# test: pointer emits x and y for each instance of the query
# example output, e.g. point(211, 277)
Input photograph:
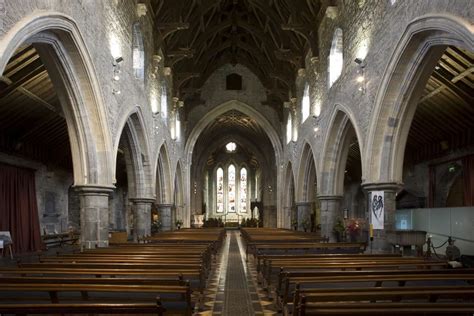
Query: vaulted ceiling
point(270, 37)
point(251, 139)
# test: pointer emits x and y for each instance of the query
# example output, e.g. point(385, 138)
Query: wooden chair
point(6, 241)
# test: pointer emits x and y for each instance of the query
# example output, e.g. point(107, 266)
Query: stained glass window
point(220, 190)
point(231, 185)
point(243, 190)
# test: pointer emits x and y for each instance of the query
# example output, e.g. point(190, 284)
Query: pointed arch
point(179, 198)
point(72, 73)
point(210, 117)
point(415, 55)
point(163, 176)
point(288, 197)
point(337, 139)
point(307, 175)
point(137, 155)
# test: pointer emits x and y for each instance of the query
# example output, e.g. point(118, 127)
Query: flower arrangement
point(179, 223)
point(354, 226)
point(155, 226)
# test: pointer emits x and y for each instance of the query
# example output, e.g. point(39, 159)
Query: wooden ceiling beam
point(168, 28)
point(174, 57)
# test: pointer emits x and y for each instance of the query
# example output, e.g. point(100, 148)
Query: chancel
point(237, 157)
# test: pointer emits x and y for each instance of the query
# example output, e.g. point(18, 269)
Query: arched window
point(335, 57)
point(288, 129)
point(164, 102)
point(154, 103)
point(243, 190)
point(231, 185)
point(177, 126)
point(305, 104)
point(138, 52)
point(220, 190)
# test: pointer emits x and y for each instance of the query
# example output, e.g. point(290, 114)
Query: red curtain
point(468, 173)
point(18, 207)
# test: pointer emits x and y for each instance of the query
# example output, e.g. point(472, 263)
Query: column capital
point(164, 205)
point(304, 203)
point(329, 197)
point(92, 189)
point(144, 200)
point(384, 186)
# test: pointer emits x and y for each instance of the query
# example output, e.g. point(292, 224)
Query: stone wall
point(52, 193)
point(371, 30)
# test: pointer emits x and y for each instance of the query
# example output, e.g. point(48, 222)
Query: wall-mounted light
point(361, 73)
point(116, 68)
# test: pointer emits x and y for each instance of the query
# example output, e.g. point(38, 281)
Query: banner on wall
point(377, 209)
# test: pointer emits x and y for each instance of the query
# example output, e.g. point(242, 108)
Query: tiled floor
point(233, 288)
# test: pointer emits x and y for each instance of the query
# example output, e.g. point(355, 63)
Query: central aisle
point(237, 299)
point(236, 282)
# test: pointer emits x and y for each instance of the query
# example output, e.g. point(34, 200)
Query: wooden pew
point(105, 293)
point(290, 279)
point(83, 308)
point(304, 247)
point(334, 257)
point(354, 265)
point(386, 309)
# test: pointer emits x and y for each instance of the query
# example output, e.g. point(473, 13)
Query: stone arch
point(137, 155)
point(179, 202)
point(306, 172)
point(210, 117)
point(341, 130)
point(163, 176)
point(72, 72)
point(415, 56)
point(288, 214)
point(224, 108)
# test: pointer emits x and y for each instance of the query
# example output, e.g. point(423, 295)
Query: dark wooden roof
point(270, 37)
point(31, 120)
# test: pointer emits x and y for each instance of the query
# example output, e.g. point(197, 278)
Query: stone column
point(269, 216)
point(390, 189)
point(94, 213)
point(330, 210)
point(141, 217)
point(165, 212)
point(303, 211)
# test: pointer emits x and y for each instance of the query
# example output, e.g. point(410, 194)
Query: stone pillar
point(141, 217)
point(330, 210)
point(94, 213)
point(380, 242)
point(303, 211)
point(269, 216)
point(166, 218)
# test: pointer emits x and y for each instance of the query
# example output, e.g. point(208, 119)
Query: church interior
point(237, 157)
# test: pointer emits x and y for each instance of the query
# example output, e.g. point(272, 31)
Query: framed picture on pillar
point(376, 206)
